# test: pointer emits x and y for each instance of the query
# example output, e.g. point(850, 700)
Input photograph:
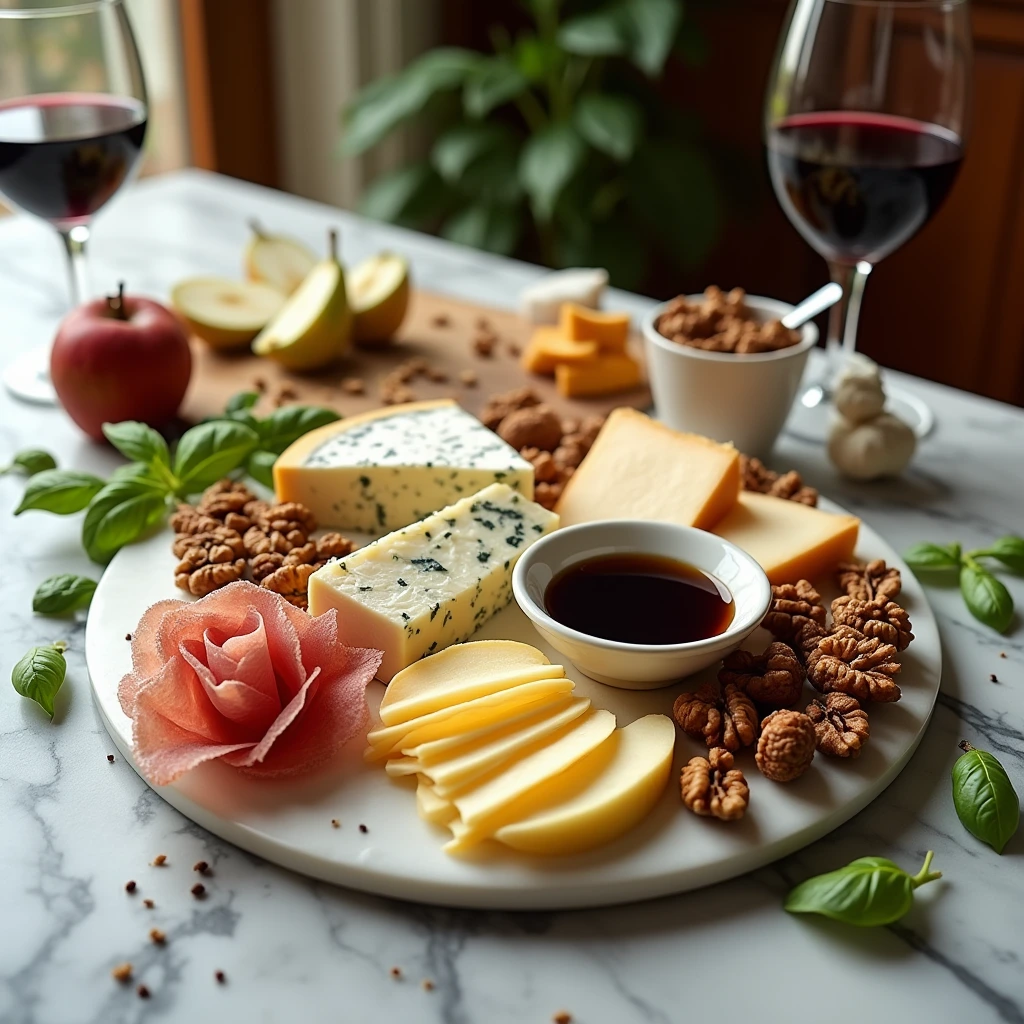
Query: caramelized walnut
point(786, 747)
point(188, 520)
point(547, 495)
point(774, 677)
point(499, 406)
point(847, 661)
point(721, 716)
point(866, 582)
point(878, 617)
point(261, 566)
point(292, 583)
point(756, 476)
point(219, 545)
point(227, 498)
point(711, 786)
point(545, 470)
point(792, 605)
point(535, 427)
point(840, 724)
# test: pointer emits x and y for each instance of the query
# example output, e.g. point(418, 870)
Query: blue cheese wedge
point(390, 467)
point(432, 584)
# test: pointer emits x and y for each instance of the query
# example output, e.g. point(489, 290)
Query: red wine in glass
point(859, 185)
point(63, 155)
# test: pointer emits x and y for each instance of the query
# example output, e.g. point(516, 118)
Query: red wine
point(63, 155)
point(857, 186)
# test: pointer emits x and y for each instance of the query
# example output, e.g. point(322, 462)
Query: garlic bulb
point(882, 446)
point(859, 395)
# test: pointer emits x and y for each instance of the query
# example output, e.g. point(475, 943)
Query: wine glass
point(866, 120)
point(73, 117)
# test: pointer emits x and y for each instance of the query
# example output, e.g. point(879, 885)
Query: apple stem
point(332, 243)
point(256, 228)
point(116, 302)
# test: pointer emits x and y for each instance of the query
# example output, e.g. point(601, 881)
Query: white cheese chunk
point(432, 584)
point(390, 467)
point(541, 302)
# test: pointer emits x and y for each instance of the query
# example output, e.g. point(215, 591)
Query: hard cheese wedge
point(641, 469)
point(609, 330)
point(461, 673)
point(599, 798)
point(421, 589)
point(790, 541)
point(387, 468)
point(616, 371)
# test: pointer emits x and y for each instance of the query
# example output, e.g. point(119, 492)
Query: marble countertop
point(75, 828)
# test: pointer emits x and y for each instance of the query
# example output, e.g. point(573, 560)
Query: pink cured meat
point(243, 676)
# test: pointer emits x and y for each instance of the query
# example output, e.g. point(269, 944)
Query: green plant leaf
point(60, 491)
point(652, 26)
point(548, 161)
point(120, 513)
point(606, 32)
point(614, 244)
point(984, 798)
point(410, 196)
point(261, 467)
point(537, 58)
point(1009, 551)
point(987, 599)
point(63, 593)
point(933, 557)
point(493, 228)
point(611, 124)
point(289, 423)
point(459, 147)
point(494, 81)
point(242, 401)
point(138, 442)
point(40, 674)
point(868, 892)
point(30, 461)
point(386, 103)
point(210, 451)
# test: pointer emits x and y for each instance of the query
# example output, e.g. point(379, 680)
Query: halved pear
point(226, 314)
point(281, 262)
point(378, 291)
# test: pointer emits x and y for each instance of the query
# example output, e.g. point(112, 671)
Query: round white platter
point(289, 821)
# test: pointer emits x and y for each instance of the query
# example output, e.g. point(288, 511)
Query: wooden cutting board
point(438, 330)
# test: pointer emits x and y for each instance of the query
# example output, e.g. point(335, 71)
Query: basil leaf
point(30, 462)
point(987, 599)
point(242, 401)
point(260, 467)
point(61, 491)
point(62, 593)
point(120, 513)
point(138, 442)
point(868, 892)
point(984, 798)
point(933, 556)
point(289, 423)
point(1009, 551)
point(210, 451)
point(39, 675)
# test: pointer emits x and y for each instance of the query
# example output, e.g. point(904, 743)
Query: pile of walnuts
point(851, 662)
point(231, 534)
point(554, 445)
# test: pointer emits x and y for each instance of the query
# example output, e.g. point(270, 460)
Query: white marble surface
point(75, 828)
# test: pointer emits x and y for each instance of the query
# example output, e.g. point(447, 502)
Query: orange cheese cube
point(604, 375)
point(548, 347)
point(609, 330)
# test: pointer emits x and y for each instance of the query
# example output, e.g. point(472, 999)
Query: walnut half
point(712, 787)
point(774, 677)
point(878, 617)
point(721, 716)
point(840, 724)
point(793, 604)
point(786, 747)
point(847, 661)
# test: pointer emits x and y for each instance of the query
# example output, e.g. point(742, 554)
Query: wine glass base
point(813, 413)
point(28, 377)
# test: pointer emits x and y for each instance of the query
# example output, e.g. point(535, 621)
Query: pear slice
point(225, 314)
point(281, 262)
point(378, 291)
point(314, 327)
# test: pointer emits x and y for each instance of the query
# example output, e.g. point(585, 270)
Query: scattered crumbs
point(514, 350)
point(335, 823)
point(110, 758)
point(198, 890)
point(160, 860)
point(129, 886)
point(437, 376)
point(363, 829)
point(142, 992)
point(202, 867)
point(259, 384)
point(122, 973)
point(993, 677)
point(1002, 654)
point(353, 386)
point(287, 393)
point(221, 977)
point(148, 904)
point(157, 936)
point(428, 985)
point(483, 324)
point(483, 344)
point(128, 636)
point(441, 320)
point(396, 972)
point(562, 1017)
point(468, 377)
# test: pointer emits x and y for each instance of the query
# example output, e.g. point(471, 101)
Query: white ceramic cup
point(744, 399)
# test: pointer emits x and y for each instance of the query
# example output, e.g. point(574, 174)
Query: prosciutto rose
point(242, 676)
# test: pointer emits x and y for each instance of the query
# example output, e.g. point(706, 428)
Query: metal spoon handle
point(815, 303)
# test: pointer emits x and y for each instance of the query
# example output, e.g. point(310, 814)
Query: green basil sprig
point(985, 595)
point(132, 502)
point(983, 795)
point(210, 451)
point(868, 892)
point(40, 674)
point(63, 593)
point(60, 491)
point(29, 462)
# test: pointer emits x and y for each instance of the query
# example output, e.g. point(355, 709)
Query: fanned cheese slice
point(461, 673)
point(432, 807)
point(398, 767)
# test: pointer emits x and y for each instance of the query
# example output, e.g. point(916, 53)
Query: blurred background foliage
point(557, 146)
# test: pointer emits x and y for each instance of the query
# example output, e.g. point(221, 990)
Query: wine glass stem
point(75, 240)
point(844, 315)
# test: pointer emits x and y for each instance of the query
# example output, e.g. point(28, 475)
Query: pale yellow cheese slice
point(483, 803)
point(461, 673)
point(491, 707)
point(789, 540)
point(397, 767)
point(431, 807)
point(599, 798)
point(641, 469)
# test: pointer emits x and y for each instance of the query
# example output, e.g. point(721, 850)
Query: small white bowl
point(744, 399)
point(640, 666)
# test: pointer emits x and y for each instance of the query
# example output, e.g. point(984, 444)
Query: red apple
point(120, 358)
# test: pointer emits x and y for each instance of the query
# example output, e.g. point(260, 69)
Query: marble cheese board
point(289, 822)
